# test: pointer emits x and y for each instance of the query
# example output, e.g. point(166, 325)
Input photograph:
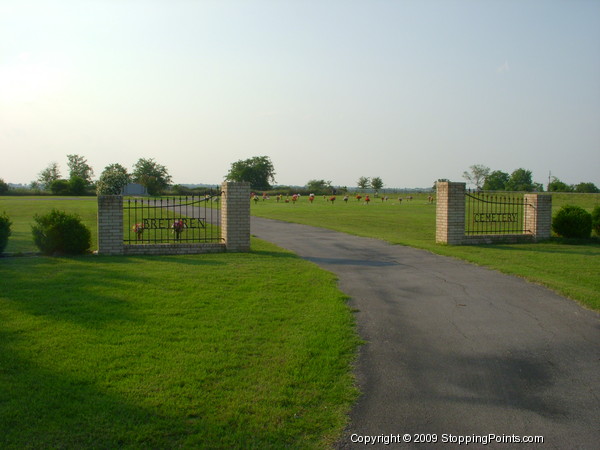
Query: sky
point(408, 91)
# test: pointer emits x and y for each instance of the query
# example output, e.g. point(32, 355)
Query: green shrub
point(596, 220)
point(4, 231)
point(61, 233)
point(77, 186)
point(60, 187)
point(572, 222)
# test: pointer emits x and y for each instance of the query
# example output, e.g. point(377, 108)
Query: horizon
point(410, 92)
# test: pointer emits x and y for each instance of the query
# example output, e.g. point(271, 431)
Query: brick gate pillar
point(450, 213)
point(110, 225)
point(235, 216)
point(538, 215)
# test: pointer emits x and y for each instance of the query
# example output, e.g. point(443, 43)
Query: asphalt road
point(455, 350)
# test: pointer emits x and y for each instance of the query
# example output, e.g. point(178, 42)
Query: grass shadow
point(81, 290)
point(43, 408)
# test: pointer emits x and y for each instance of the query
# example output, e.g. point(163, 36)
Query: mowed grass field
point(247, 350)
point(568, 267)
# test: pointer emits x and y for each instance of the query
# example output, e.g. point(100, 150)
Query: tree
point(558, 186)
point(590, 188)
point(319, 186)
point(3, 187)
point(35, 186)
point(520, 180)
point(60, 187)
point(376, 183)
point(48, 175)
point(364, 182)
point(152, 175)
point(477, 175)
point(258, 171)
point(78, 167)
point(113, 179)
point(496, 181)
point(77, 186)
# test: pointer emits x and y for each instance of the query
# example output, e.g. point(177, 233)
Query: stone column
point(450, 213)
point(235, 216)
point(110, 225)
point(538, 215)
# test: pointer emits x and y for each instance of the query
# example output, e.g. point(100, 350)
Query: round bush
point(572, 222)
point(77, 186)
point(59, 233)
point(4, 231)
point(596, 220)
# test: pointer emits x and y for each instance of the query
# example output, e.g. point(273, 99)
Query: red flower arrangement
point(178, 227)
point(138, 229)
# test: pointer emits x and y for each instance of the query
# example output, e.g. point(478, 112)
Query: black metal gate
point(188, 219)
point(495, 213)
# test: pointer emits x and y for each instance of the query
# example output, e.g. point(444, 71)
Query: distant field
point(570, 268)
point(587, 201)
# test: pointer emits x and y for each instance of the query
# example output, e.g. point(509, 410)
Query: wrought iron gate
point(495, 213)
point(186, 219)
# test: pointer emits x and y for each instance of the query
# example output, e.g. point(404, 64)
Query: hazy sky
point(410, 91)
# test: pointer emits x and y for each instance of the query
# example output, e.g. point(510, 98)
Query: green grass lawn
point(248, 350)
point(569, 267)
point(226, 350)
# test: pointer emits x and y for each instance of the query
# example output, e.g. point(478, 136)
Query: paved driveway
point(456, 350)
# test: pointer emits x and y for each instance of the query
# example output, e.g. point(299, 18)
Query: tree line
point(260, 173)
point(155, 177)
point(146, 171)
point(519, 180)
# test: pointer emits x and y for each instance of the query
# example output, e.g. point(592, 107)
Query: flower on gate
point(178, 227)
point(138, 229)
